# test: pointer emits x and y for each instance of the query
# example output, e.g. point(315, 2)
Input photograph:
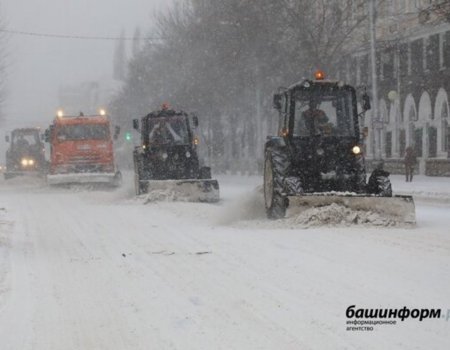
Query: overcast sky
point(39, 66)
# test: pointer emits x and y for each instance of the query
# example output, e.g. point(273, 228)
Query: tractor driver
point(163, 132)
point(315, 120)
point(158, 134)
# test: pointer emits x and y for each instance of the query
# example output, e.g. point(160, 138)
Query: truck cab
point(81, 149)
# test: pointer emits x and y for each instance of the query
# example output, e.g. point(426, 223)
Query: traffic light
point(128, 136)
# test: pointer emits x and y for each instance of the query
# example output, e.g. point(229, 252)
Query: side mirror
point(116, 132)
point(136, 124)
point(195, 121)
point(7, 138)
point(277, 101)
point(366, 102)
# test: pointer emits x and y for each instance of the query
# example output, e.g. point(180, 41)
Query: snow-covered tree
point(120, 59)
point(224, 60)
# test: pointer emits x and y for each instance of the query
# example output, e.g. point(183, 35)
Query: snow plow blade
point(399, 208)
point(112, 179)
point(191, 190)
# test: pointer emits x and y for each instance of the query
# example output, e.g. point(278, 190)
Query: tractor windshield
point(77, 132)
point(324, 112)
point(168, 130)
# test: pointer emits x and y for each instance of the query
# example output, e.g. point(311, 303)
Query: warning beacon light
point(319, 75)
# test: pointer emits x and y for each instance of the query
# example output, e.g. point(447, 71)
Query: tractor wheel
point(205, 173)
point(384, 186)
point(275, 166)
point(380, 184)
point(138, 186)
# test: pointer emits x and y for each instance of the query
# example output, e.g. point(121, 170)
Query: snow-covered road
point(100, 270)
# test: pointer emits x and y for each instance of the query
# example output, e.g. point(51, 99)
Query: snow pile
point(338, 215)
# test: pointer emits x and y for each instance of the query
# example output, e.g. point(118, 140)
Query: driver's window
point(315, 116)
point(329, 107)
point(300, 128)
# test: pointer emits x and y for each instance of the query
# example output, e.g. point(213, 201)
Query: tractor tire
point(139, 188)
point(137, 185)
point(384, 186)
point(205, 173)
point(275, 170)
point(380, 184)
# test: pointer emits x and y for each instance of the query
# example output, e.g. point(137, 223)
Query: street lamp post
point(376, 140)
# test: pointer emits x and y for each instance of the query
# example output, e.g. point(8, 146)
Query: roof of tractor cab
point(31, 129)
point(84, 119)
point(306, 84)
point(165, 113)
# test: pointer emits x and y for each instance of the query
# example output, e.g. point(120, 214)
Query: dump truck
point(166, 163)
point(26, 153)
point(317, 157)
point(81, 150)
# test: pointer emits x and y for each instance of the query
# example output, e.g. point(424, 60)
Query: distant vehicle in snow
point(167, 158)
point(81, 150)
point(26, 153)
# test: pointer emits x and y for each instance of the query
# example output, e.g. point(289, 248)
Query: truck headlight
point(24, 162)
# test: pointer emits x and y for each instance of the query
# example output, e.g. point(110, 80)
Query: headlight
point(356, 150)
point(27, 162)
point(188, 154)
point(320, 151)
point(164, 155)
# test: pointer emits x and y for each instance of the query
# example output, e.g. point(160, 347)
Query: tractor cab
point(317, 159)
point(319, 121)
point(167, 159)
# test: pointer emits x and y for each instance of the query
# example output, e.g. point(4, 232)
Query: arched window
point(412, 116)
point(445, 127)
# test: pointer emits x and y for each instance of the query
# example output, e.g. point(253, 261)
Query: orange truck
point(81, 150)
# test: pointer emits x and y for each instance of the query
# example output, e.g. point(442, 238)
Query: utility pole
point(376, 140)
